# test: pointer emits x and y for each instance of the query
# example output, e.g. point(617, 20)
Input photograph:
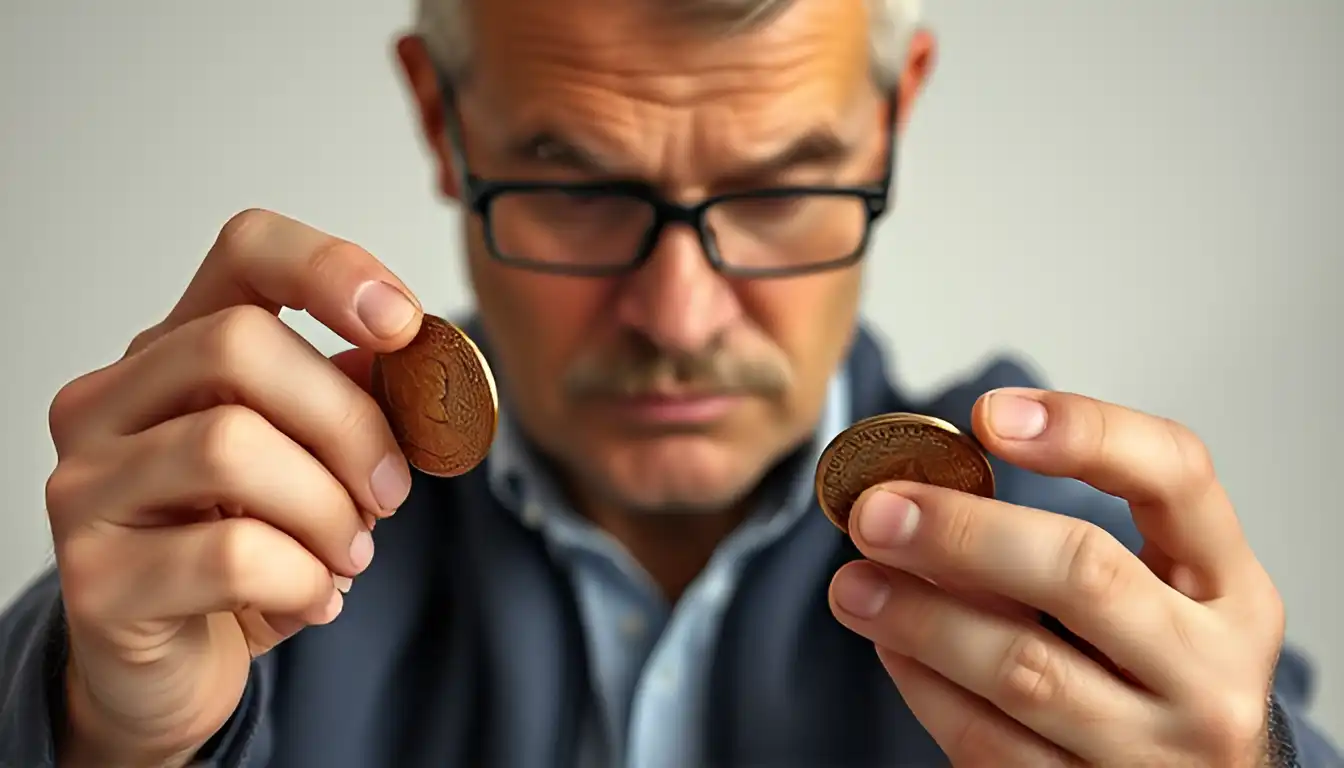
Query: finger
point(991, 603)
point(357, 365)
point(1065, 567)
point(246, 356)
point(1027, 673)
point(1160, 467)
point(270, 261)
point(195, 570)
point(970, 731)
point(230, 458)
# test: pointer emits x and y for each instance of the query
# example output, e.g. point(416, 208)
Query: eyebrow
point(819, 146)
point(552, 149)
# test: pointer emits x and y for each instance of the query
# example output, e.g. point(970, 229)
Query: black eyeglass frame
point(479, 194)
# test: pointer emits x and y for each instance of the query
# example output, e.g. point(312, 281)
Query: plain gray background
point(1145, 197)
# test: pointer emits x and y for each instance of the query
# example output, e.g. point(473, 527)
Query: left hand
point(1185, 635)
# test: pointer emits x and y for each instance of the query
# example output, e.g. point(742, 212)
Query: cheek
point(537, 324)
point(810, 318)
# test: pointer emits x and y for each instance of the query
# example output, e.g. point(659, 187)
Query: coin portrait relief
point(898, 446)
point(439, 395)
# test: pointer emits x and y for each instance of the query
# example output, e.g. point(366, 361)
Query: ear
point(919, 63)
point(422, 82)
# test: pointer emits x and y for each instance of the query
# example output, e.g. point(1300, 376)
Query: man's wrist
point(81, 743)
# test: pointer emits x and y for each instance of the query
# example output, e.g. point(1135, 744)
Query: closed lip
point(673, 408)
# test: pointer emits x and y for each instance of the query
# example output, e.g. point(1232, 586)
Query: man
point(667, 204)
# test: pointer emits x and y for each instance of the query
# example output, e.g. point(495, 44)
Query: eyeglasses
point(604, 228)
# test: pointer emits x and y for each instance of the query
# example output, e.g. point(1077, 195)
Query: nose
point(676, 299)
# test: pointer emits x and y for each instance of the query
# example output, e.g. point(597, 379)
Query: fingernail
point(384, 309)
point(887, 520)
point(1014, 417)
point(861, 591)
point(391, 483)
point(361, 551)
point(343, 583)
point(333, 608)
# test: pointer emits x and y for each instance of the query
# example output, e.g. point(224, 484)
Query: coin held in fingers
point(898, 446)
point(438, 394)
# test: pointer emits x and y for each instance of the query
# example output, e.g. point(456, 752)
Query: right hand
point(216, 486)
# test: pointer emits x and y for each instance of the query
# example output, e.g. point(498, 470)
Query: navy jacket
point(461, 645)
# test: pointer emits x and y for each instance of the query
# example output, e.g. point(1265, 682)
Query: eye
point(551, 151)
point(548, 151)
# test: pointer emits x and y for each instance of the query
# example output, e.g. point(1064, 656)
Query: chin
point(676, 473)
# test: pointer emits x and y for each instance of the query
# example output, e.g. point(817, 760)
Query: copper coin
point(898, 446)
point(439, 397)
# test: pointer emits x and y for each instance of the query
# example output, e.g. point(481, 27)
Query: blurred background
point(1145, 199)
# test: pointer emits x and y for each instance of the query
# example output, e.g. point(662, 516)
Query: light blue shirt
point(649, 660)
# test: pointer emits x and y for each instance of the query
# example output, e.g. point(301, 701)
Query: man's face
point(673, 387)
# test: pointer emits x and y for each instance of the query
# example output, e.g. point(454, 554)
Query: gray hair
point(443, 26)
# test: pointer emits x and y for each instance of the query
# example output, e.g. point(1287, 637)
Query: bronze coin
point(898, 446)
point(439, 397)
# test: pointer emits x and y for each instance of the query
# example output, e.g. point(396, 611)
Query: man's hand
point(216, 487)
point(1184, 636)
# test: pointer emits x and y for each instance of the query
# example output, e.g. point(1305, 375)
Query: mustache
point(640, 368)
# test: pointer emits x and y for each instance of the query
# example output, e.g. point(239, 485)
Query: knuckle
point(235, 570)
point(335, 257)
point(226, 434)
point(980, 741)
point(1193, 456)
point(1085, 434)
point(1094, 564)
point(360, 420)
point(61, 414)
point(229, 565)
point(1032, 674)
point(921, 623)
point(142, 340)
point(64, 488)
point(233, 335)
point(84, 579)
point(242, 230)
point(236, 327)
point(1230, 725)
point(1272, 611)
point(957, 536)
point(71, 408)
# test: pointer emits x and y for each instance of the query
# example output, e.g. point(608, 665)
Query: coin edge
point(897, 416)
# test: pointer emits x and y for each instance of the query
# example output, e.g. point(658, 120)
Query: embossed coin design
point(898, 446)
point(439, 396)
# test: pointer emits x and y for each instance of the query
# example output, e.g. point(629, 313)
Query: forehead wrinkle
point(630, 135)
point(688, 85)
point(678, 64)
point(626, 92)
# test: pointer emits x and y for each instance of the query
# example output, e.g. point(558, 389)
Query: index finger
point(268, 260)
point(1160, 467)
